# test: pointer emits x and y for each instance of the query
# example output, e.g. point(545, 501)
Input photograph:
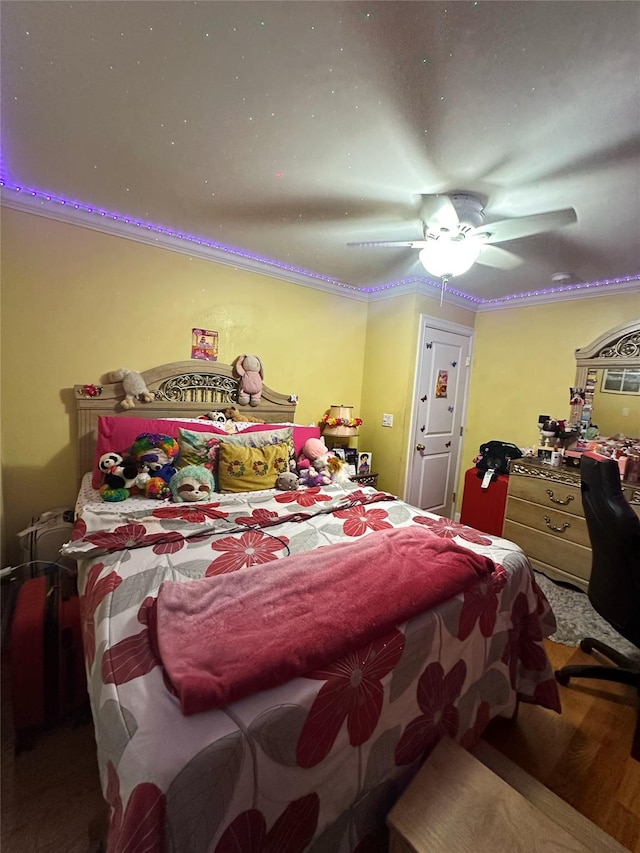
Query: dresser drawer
point(559, 525)
point(547, 494)
point(567, 556)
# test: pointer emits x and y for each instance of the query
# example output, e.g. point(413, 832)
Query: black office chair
point(614, 585)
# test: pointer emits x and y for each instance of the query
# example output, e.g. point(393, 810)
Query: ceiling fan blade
point(525, 226)
point(494, 256)
point(438, 211)
point(413, 244)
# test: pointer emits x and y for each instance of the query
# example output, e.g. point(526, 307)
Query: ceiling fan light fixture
point(445, 258)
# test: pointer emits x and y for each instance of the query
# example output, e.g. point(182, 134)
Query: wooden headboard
point(182, 389)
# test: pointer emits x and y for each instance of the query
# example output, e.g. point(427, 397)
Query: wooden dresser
point(544, 516)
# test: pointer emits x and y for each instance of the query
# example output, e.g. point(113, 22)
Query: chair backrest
point(614, 531)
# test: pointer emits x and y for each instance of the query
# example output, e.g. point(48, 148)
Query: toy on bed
point(157, 453)
point(318, 466)
point(312, 477)
point(235, 415)
point(249, 369)
point(288, 481)
point(192, 483)
point(122, 477)
point(134, 387)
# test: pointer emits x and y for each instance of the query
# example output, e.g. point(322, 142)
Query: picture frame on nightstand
point(364, 462)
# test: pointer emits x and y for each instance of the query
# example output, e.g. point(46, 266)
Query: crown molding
point(41, 204)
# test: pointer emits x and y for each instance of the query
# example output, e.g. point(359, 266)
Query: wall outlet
point(387, 420)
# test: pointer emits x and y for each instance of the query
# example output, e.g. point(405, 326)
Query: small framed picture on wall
point(364, 462)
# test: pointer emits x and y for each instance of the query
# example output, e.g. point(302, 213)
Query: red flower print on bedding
point(258, 518)
point(126, 536)
point(524, 640)
point(546, 694)
point(196, 513)
point(359, 519)
point(471, 738)
point(95, 590)
point(141, 828)
point(448, 529)
point(353, 690)
point(291, 832)
point(250, 549)
point(436, 695)
point(303, 497)
point(79, 529)
point(481, 604)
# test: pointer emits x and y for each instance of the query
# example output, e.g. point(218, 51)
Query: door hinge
point(429, 345)
point(461, 430)
point(467, 361)
point(453, 498)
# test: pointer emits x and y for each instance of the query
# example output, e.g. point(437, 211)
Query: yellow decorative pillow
point(249, 469)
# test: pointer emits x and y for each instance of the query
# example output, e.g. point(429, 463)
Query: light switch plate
point(387, 420)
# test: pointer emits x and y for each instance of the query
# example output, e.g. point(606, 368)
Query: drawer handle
point(562, 529)
point(557, 500)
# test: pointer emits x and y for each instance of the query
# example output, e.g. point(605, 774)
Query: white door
point(440, 396)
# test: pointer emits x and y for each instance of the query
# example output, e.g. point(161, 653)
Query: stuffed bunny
point(249, 369)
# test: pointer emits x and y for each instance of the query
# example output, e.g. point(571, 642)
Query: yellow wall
point(524, 364)
point(77, 303)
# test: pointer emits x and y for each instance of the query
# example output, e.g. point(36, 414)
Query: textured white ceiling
point(288, 129)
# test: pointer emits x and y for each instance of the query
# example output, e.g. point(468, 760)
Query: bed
point(288, 759)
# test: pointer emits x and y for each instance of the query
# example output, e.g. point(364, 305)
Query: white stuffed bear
point(134, 387)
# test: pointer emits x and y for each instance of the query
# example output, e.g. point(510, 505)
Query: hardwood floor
point(582, 755)
point(51, 801)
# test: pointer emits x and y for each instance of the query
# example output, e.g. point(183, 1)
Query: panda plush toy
point(121, 477)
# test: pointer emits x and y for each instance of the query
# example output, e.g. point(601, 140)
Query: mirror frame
point(619, 347)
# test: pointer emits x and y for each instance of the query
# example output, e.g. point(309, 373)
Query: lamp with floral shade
point(339, 424)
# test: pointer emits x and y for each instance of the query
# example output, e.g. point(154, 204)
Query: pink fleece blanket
point(225, 637)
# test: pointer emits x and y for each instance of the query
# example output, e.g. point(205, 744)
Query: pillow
point(263, 437)
point(199, 448)
point(300, 433)
point(249, 469)
point(119, 433)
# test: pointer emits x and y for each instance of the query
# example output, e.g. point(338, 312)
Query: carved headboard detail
point(182, 389)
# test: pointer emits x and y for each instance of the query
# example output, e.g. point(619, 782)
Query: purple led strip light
point(211, 244)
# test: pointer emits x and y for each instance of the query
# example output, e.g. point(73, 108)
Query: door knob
point(420, 447)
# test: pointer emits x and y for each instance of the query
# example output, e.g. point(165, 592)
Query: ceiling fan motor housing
point(469, 208)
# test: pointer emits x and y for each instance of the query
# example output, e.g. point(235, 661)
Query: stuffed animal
point(192, 483)
point(314, 452)
point(249, 369)
point(122, 477)
point(157, 453)
point(134, 387)
point(219, 418)
point(287, 482)
point(311, 477)
point(235, 415)
point(338, 469)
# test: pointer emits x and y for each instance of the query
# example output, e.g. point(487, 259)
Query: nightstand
point(366, 480)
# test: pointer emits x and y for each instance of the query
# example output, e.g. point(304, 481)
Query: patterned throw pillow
point(250, 469)
point(199, 448)
point(262, 438)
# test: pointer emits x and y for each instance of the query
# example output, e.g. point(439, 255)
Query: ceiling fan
point(455, 235)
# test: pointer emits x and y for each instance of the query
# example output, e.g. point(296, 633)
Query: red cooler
point(484, 508)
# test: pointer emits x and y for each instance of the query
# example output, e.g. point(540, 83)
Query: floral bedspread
point(316, 763)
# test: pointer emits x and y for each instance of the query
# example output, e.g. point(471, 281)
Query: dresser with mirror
point(544, 512)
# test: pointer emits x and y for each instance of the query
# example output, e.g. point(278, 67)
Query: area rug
point(576, 618)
